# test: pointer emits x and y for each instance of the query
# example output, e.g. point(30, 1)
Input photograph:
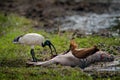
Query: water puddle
point(90, 22)
point(115, 66)
point(109, 69)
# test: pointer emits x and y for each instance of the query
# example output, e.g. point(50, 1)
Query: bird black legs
point(33, 55)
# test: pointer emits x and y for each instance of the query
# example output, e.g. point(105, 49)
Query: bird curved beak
point(50, 45)
point(54, 48)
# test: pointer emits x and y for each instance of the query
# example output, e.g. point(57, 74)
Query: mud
point(46, 11)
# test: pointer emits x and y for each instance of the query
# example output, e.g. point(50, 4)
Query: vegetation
point(13, 57)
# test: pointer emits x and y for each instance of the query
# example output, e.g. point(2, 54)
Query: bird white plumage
point(31, 39)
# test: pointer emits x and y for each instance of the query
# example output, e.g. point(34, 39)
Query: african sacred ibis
point(33, 39)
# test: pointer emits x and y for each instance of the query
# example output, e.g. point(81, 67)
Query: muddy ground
point(45, 11)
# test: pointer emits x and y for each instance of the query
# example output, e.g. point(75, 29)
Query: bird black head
point(16, 40)
point(50, 45)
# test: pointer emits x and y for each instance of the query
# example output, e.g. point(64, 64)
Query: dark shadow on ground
point(13, 63)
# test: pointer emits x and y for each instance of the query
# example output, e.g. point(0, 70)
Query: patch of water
point(110, 69)
point(90, 22)
point(110, 66)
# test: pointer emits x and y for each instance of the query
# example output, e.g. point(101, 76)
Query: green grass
point(13, 57)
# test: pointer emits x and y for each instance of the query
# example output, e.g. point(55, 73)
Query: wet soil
point(45, 11)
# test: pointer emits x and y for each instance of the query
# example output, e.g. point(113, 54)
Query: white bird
point(33, 39)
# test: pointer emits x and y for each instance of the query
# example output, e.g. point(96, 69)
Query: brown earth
point(46, 11)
